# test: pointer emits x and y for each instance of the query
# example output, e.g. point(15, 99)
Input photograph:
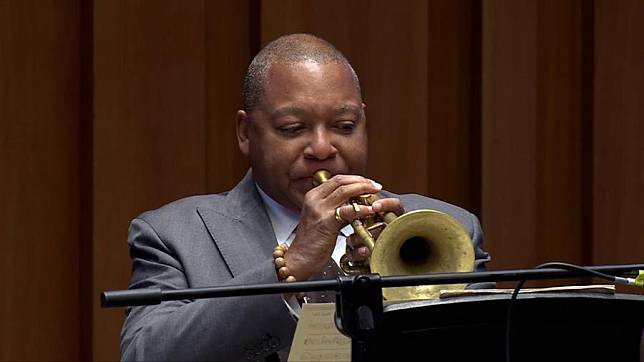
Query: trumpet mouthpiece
point(320, 177)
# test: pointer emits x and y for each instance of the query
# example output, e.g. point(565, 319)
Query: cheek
point(358, 163)
point(301, 186)
point(277, 156)
point(356, 155)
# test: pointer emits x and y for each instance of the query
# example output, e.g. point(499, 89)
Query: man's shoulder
point(412, 202)
point(183, 207)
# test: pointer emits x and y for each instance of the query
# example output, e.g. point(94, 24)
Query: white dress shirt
point(284, 222)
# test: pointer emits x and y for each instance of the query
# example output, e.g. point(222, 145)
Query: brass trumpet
point(417, 242)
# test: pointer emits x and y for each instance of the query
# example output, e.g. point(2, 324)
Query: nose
point(320, 146)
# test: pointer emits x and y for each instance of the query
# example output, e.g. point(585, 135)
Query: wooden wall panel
point(453, 102)
point(387, 45)
point(618, 156)
point(149, 130)
point(39, 133)
point(228, 56)
point(533, 163)
point(560, 133)
point(550, 132)
point(509, 125)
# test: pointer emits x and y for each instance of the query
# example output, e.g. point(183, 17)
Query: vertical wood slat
point(39, 133)
point(618, 157)
point(453, 102)
point(149, 130)
point(560, 133)
point(387, 45)
point(228, 56)
point(533, 163)
point(86, 179)
point(509, 123)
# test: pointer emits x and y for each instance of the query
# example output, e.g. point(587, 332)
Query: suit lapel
point(240, 227)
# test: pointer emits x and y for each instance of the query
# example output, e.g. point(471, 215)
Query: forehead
point(310, 83)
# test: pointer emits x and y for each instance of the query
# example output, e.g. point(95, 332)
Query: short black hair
point(288, 49)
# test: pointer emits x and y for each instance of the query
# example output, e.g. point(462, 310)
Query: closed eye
point(291, 129)
point(345, 126)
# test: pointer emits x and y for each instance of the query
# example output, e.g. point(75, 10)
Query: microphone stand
point(359, 308)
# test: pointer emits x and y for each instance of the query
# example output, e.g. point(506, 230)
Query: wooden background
point(529, 113)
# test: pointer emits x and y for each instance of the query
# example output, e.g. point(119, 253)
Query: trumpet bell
point(422, 242)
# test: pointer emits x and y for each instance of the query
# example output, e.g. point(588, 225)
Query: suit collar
point(243, 200)
point(284, 220)
point(240, 227)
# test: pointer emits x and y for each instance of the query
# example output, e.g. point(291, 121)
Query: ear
point(242, 131)
point(364, 108)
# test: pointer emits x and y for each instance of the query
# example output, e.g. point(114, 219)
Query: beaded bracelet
point(283, 274)
point(280, 263)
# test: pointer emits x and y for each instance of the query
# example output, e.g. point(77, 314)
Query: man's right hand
point(318, 229)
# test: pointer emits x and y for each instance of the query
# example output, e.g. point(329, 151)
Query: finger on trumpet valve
point(356, 207)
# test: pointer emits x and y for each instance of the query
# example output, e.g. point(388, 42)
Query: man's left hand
point(358, 251)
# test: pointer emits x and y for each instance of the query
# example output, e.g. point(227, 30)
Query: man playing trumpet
point(303, 111)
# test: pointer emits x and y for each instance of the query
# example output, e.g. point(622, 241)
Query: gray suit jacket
point(224, 239)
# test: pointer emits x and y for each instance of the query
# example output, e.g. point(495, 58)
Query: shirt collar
point(285, 220)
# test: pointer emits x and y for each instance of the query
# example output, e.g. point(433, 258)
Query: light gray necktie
point(330, 271)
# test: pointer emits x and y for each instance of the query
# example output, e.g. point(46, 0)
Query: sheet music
point(316, 336)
